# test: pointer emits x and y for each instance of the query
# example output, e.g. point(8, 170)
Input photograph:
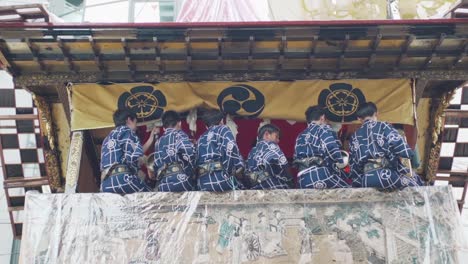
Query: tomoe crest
point(241, 100)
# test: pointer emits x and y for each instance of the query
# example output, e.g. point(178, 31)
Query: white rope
point(232, 125)
point(192, 120)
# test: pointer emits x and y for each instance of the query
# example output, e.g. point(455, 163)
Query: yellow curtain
point(94, 104)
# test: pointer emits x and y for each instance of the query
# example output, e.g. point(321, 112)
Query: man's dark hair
point(212, 117)
point(270, 128)
point(366, 110)
point(121, 115)
point(314, 113)
point(170, 119)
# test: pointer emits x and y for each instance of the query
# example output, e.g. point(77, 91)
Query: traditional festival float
point(261, 72)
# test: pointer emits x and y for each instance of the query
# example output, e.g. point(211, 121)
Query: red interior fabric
point(247, 133)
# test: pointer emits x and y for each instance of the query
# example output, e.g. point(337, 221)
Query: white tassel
point(264, 122)
point(232, 125)
point(192, 120)
point(336, 126)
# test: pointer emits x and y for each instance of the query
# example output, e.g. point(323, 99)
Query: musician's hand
point(155, 131)
point(142, 160)
point(150, 141)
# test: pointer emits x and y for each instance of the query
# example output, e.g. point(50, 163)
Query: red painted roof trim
point(258, 24)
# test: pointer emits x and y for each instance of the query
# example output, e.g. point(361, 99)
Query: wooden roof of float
point(151, 52)
point(43, 56)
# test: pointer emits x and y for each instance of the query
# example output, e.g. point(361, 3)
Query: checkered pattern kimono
point(267, 156)
point(218, 144)
point(122, 146)
point(320, 141)
point(376, 140)
point(175, 147)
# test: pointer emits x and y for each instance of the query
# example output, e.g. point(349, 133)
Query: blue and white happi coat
point(320, 141)
point(218, 144)
point(175, 147)
point(267, 156)
point(123, 147)
point(375, 140)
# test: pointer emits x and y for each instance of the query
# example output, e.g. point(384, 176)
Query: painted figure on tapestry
point(306, 242)
point(267, 236)
point(226, 233)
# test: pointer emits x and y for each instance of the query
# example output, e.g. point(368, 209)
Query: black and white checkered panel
point(21, 142)
point(454, 149)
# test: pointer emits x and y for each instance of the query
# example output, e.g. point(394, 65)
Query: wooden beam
point(188, 50)
point(128, 60)
point(66, 55)
point(35, 52)
point(404, 51)
point(419, 89)
point(455, 178)
point(456, 113)
point(251, 51)
point(46, 17)
point(435, 47)
point(344, 47)
point(4, 54)
point(282, 48)
point(18, 117)
point(220, 54)
point(63, 97)
point(97, 56)
point(373, 56)
point(461, 57)
point(157, 51)
point(24, 12)
point(313, 48)
point(452, 172)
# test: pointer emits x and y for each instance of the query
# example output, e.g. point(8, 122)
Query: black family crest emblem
point(341, 101)
point(146, 102)
point(241, 100)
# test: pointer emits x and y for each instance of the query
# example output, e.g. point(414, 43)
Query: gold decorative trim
point(45, 118)
point(438, 116)
point(51, 153)
point(74, 162)
point(40, 80)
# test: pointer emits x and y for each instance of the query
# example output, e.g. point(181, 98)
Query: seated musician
point(220, 164)
point(121, 155)
point(318, 154)
point(174, 157)
point(376, 152)
point(267, 166)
